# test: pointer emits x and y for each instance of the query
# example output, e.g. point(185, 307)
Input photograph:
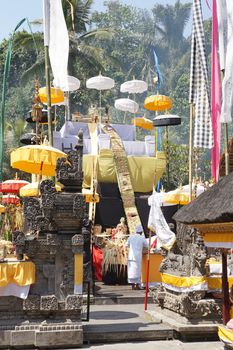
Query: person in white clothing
point(135, 243)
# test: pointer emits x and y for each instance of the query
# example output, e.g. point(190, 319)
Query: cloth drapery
point(158, 224)
point(215, 96)
point(57, 39)
point(199, 92)
point(225, 17)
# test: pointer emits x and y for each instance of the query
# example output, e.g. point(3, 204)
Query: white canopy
point(134, 86)
point(126, 105)
point(73, 84)
point(100, 83)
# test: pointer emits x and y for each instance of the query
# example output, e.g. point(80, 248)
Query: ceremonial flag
point(215, 96)
point(225, 16)
point(158, 224)
point(199, 85)
point(57, 39)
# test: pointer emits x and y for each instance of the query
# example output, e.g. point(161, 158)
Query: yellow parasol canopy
point(143, 123)
point(158, 103)
point(36, 159)
point(32, 190)
point(57, 95)
point(181, 195)
point(2, 209)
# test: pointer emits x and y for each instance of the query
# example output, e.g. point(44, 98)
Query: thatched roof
point(213, 206)
point(222, 161)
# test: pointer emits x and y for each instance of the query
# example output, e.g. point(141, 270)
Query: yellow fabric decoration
point(216, 282)
point(225, 334)
point(78, 269)
point(182, 282)
point(144, 171)
point(154, 274)
point(20, 273)
point(218, 237)
point(143, 123)
point(32, 190)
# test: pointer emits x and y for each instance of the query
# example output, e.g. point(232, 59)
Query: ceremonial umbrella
point(10, 199)
point(100, 83)
point(36, 159)
point(166, 120)
point(32, 190)
point(73, 84)
point(57, 95)
point(143, 123)
point(12, 186)
point(158, 103)
point(181, 194)
point(126, 105)
point(134, 86)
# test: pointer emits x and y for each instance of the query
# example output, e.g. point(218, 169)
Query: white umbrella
point(73, 84)
point(100, 83)
point(126, 105)
point(134, 86)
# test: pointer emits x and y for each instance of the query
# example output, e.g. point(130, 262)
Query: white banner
point(56, 37)
point(158, 224)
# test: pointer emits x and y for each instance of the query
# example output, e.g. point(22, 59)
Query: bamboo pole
point(48, 90)
point(191, 116)
point(226, 149)
point(147, 274)
point(225, 289)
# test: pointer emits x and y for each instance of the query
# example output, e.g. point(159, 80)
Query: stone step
point(125, 332)
point(110, 300)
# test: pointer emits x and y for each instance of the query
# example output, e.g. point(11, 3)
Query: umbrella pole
point(225, 289)
point(147, 274)
point(48, 89)
point(167, 154)
point(190, 149)
point(226, 149)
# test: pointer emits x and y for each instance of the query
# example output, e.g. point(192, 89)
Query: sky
point(12, 11)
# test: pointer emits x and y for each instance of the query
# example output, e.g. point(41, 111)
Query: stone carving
point(79, 206)
point(18, 239)
point(31, 303)
point(48, 303)
point(77, 244)
point(57, 228)
point(32, 213)
point(191, 305)
point(69, 170)
point(73, 302)
point(186, 258)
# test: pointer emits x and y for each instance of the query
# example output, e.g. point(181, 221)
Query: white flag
point(225, 26)
point(57, 39)
point(158, 224)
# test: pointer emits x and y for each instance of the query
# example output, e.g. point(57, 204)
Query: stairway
point(123, 178)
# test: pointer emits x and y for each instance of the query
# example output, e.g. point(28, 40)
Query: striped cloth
point(199, 85)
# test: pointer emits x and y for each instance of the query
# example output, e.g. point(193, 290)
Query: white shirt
point(136, 243)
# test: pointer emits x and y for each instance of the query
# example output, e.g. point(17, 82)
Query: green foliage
point(119, 42)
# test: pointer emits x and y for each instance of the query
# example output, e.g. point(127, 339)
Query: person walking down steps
point(135, 243)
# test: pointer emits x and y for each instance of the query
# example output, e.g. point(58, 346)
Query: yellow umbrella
point(158, 103)
point(57, 95)
point(181, 195)
point(2, 209)
point(143, 123)
point(36, 159)
point(32, 190)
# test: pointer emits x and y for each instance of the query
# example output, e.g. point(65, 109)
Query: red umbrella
point(10, 199)
point(12, 186)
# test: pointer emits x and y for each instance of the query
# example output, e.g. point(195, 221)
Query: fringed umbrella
point(12, 186)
